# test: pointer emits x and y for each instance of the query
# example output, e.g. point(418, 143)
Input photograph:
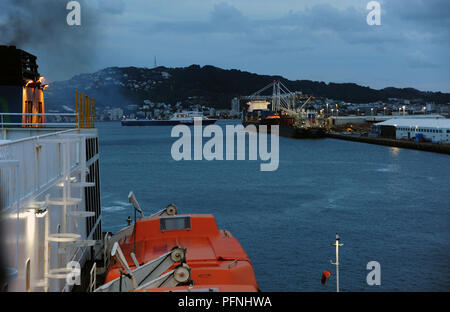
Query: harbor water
point(388, 204)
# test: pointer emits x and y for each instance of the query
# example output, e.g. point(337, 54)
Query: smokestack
point(17, 66)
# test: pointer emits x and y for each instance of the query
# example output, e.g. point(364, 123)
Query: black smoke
point(40, 27)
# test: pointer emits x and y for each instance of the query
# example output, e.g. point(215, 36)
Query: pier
point(423, 146)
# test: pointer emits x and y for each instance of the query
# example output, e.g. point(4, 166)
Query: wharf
point(429, 147)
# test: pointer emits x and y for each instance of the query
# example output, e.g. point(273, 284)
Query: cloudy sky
point(323, 40)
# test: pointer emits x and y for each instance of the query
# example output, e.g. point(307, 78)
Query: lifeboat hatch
point(175, 223)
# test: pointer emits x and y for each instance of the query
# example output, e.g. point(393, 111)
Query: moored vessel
point(290, 111)
point(179, 118)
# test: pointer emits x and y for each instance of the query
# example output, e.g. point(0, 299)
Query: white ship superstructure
point(50, 205)
point(50, 216)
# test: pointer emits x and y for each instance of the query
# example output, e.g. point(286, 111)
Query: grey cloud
point(318, 22)
point(40, 27)
point(223, 18)
point(317, 27)
point(435, 12)
point(417, 59)
point(429, 19)
point(115, 7)
point(228, 35)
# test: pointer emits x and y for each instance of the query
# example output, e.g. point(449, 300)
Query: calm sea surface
point(389, 205)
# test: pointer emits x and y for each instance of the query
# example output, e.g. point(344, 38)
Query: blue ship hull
point(144, 122)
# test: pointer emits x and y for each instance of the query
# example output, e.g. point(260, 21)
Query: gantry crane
point(293, 104)
point(282, 99)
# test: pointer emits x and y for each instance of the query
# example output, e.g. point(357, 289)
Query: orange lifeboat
point(177, 253)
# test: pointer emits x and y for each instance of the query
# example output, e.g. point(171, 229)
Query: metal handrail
point(36, 124)
point(84, 115)
point(39, 114)
point(39, 124)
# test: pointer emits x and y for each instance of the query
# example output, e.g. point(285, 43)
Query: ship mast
point(337, 245)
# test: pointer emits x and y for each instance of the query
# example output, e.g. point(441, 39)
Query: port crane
point(282, 99)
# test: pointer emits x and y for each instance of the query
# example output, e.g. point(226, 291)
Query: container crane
point(281, 99)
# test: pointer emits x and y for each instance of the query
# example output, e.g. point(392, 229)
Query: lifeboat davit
point(169, 252)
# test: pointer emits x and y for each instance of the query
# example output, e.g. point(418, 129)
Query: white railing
point(40, 161)
point(9, 186)
point(65, 124)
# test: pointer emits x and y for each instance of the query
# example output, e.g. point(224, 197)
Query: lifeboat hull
point(216, 259)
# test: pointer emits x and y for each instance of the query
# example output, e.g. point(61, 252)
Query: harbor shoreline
point(428, 147)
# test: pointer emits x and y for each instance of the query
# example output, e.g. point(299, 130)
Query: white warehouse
point(434, 130)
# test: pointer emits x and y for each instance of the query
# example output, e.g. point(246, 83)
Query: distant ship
point(180, 118)
point(291, 111)
point(290, 126)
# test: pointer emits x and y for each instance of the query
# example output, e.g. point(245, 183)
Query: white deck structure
point(49, 206)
